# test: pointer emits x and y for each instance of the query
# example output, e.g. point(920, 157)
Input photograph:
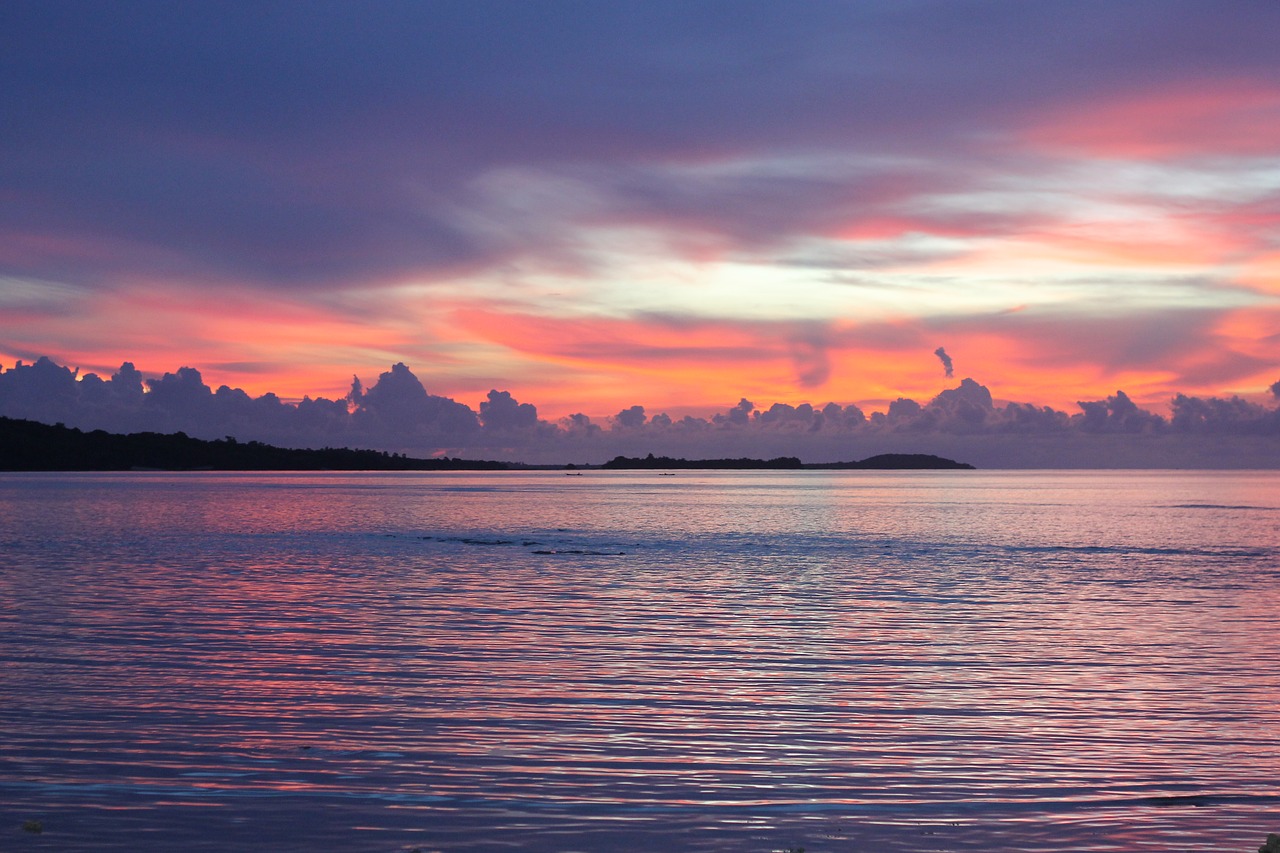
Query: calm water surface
point(853, 661)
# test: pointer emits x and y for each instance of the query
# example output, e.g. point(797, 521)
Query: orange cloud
point(613, 362)
point(600, 365)
point(1251, 338)
point(1025, 357)
point(1159, 241)
point(1262, 273)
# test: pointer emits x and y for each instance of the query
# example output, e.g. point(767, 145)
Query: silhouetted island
point(32, 446)
point(882, 462)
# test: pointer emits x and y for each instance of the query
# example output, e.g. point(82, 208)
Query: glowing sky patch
point(597, 208)
point(1240, 117)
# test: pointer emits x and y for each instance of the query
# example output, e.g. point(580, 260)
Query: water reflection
point(723, 662)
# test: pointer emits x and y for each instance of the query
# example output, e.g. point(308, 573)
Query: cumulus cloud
point(398, 414)
point(1118, 413)
point(784, 416)
point(630, 418)
point(1217, 416)
point(501, 411)
point(398, 410)
point(739, 415)
point(578, 425)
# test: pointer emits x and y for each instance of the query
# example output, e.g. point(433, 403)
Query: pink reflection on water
point(356, 645)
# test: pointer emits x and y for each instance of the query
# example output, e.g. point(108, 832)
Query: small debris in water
point(33, 826)
point(587, 553)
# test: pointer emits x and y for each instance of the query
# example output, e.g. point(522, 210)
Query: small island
point(32, 446)
point(880, 462)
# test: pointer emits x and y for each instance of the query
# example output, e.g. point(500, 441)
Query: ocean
point(710, 661)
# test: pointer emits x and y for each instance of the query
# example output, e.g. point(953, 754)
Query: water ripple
point(756, 664)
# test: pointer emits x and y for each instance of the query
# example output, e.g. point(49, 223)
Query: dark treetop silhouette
point(31, 446)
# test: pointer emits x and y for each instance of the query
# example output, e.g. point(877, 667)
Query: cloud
point(680, 202)
point(946, 361)
point(1224, 117)
point(739, 415)
point(1215, 416)
point(316, 147)
point(630, 418)
point(501, 411)
point(1042, 354)
point(578, 426)
point(1117, 414)
point(810, 357)
point(398, 414)
point(398, 409)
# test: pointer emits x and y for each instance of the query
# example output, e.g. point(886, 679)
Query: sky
point(593, 206)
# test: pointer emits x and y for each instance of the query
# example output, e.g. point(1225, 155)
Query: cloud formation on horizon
point(398, 414)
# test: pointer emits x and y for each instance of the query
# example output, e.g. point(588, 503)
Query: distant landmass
point(32, 446)
point(882, 462)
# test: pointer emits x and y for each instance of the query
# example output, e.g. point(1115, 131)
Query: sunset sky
point(674, 204)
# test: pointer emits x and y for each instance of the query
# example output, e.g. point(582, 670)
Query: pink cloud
point(1219, 120)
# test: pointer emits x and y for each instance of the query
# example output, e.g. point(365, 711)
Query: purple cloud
point(941, 353)
point(398, 414)
point(336, 143)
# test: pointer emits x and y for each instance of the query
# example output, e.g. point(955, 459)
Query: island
point(880, 462)
point(32, 446)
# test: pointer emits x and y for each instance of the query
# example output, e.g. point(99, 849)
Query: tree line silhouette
point(32, 446)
